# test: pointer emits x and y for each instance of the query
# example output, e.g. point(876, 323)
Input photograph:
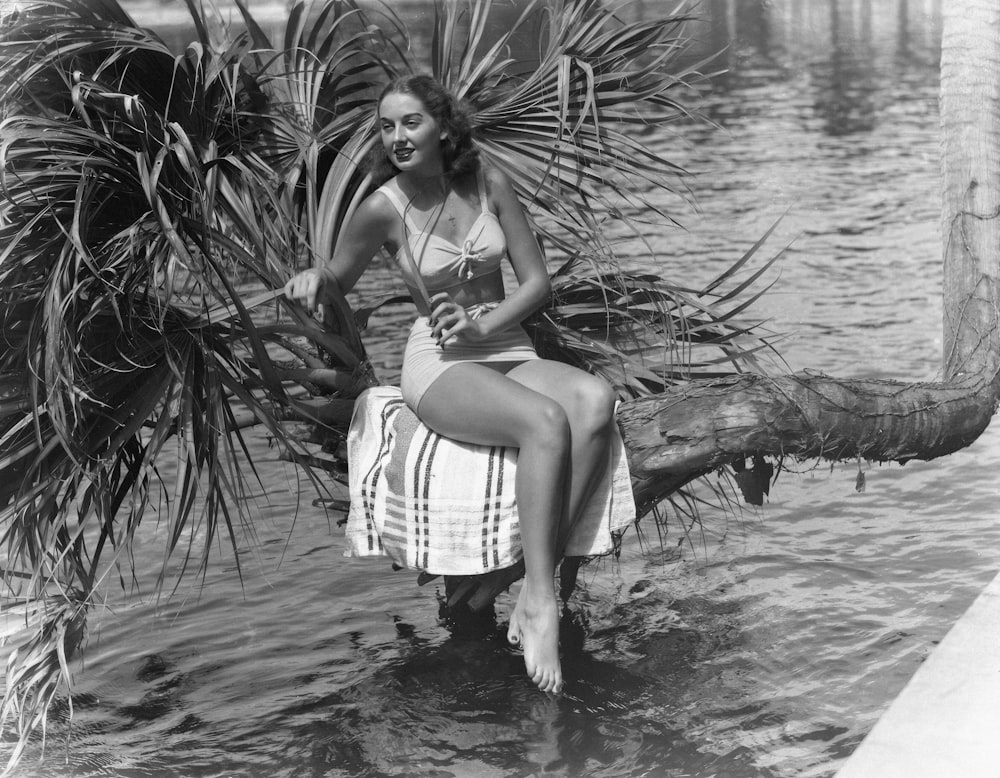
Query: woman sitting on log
point(469, 370)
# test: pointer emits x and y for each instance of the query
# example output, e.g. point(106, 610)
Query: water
point(765, 644)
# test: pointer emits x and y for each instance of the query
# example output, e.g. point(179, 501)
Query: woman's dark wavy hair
point(458, 147)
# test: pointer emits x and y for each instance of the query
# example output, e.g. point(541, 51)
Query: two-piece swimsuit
point(443, 265)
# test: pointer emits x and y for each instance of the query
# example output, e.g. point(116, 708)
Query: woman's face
point(411, 137)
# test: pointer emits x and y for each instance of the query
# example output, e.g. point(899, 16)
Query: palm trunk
point(699, 427)
point(970, 130)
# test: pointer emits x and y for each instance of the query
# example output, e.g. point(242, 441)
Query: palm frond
point(642, 334)
point(561, 129)
point(135, 212)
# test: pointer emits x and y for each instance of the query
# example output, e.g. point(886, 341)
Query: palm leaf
point(133, 204)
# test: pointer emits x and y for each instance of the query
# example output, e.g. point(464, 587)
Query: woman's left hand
point(449, 319)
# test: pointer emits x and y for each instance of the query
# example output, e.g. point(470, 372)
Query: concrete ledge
point(946, 721)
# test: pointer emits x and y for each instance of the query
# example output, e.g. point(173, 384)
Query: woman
point(469, 371)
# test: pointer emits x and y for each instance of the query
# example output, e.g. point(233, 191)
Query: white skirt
point(424, 360)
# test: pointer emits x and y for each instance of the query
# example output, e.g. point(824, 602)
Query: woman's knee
point(595, 405)
point(547, 425)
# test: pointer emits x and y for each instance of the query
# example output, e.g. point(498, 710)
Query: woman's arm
point(373, 224)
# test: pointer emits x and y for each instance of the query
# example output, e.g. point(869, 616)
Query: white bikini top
point(441, 263)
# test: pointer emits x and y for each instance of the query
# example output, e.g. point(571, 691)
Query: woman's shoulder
point(386, 190)
point(377, 217)
point(492, 175)
point(382, 202)
point(497, 183)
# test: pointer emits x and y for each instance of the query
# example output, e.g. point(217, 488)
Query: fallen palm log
point(703, 426)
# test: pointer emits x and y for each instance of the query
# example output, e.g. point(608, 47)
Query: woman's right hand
point(305, 287)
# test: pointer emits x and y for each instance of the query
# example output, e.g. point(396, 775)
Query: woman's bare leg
point(477, 404)
point(589, 403)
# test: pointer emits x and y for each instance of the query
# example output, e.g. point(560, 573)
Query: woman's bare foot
point(535, 625)
point(514, 635)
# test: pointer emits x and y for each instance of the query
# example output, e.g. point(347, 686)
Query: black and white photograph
point(499, 388)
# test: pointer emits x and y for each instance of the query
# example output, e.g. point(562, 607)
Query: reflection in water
point(845, 84)
point(753, 25)
point(837, 41)
point(462, 703)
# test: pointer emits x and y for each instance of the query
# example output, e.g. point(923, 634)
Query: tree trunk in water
point(695, 428)
point(970, 168)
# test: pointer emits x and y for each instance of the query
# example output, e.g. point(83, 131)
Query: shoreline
point(946, 719)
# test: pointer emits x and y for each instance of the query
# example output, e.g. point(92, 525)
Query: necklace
point(439, 210)
point(446, 212)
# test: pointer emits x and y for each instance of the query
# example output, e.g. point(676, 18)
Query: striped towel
point(432, 503)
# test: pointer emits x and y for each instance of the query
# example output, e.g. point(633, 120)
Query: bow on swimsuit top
point(443, 264)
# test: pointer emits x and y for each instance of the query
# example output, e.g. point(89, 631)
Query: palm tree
point(153, 202)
